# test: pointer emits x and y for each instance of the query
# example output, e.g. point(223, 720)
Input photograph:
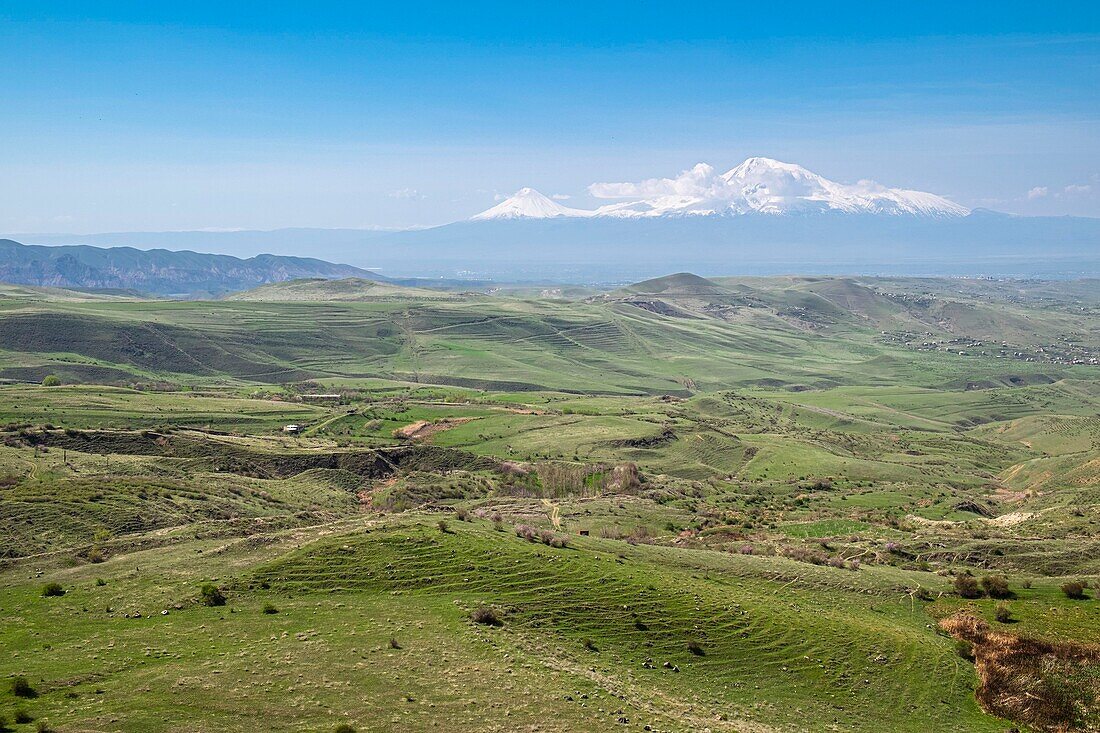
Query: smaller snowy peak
point(527, 203)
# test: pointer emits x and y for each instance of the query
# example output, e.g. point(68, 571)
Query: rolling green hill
point(732, 504)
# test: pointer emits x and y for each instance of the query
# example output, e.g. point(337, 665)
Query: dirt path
point(554, 513)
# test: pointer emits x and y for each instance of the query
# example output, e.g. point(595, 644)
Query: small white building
point(292, 429)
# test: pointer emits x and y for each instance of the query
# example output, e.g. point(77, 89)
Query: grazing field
point(743, 504)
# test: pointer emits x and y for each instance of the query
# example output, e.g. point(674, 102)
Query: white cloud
point(406, 193)
point(1075, 188)
point(1038, 192)
point(699, 181)
point(561, 196)
point(499, 197)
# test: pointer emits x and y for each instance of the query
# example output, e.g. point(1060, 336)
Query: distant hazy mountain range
point(760, 217)
point(158, 271)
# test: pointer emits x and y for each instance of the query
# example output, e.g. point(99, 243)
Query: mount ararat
point(756, 186)
point(761, 217)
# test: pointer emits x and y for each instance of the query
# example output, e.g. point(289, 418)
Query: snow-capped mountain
point(758, 185)
point(527, 203)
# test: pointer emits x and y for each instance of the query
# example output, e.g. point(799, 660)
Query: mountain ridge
point(156, 271)
point(756, 185)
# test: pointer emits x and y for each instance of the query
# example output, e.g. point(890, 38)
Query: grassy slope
point(889, 445)
point(819, 649)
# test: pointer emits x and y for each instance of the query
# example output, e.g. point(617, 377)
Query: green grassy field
point(746, 503)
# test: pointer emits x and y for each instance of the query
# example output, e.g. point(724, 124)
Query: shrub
point(51, 380)
point(100, 582)
point(270, 608)
point(486, 616)
point(211, 595)
point(343, 728)
point(43, 727)
point(696, 648)
point(22, 717)
point(443, 527)
point(394, 643)
point(965, 649)
point(96, 555)
point(1002, 613)
point(967, 586)
point(546, 536)
point(590, 645)
point(20, 687)
point(996, 586)
point(526, 532)
point(462, 514)
point(1074, 590)
point(52, 590)
point(559, 542)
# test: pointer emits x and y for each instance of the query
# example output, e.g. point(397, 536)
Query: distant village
point(1063, 350)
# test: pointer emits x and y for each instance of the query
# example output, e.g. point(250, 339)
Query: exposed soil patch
point(649, 441)
point(424, 429)
point(1049, 686)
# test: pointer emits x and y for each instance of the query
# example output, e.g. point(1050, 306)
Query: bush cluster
point(996, 586)
point(52, 590)
point(1075, 590)
point(486, 616)
point(211, 595)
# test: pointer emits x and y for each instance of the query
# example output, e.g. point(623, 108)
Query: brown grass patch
point(1049, 686)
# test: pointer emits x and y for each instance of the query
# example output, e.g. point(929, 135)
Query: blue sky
point(148, 116)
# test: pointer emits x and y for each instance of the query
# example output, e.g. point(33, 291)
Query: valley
point(743, 504)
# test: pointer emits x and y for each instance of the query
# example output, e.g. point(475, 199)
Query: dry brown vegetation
point(1049, 686)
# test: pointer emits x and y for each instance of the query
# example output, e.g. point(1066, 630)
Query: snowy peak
point(756, 186)
point(527, 203)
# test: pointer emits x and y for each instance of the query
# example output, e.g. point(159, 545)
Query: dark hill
point(157, 271)
point(679, 284)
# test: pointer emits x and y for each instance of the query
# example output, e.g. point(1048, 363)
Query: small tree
point(996, 586)
point(211, 595)
point(20, 687)
point(51, 380)
point(967, 586)
point(1003, 613)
